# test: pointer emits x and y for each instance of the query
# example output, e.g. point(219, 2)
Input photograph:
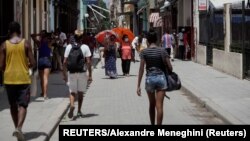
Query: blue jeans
point(156, 82)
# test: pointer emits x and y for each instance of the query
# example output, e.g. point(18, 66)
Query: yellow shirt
point(17, 69)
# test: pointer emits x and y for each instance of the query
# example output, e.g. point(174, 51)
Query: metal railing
point(219, 46)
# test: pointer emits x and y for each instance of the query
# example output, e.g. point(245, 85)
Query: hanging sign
point(203, 5)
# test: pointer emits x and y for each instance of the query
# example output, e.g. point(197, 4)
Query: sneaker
point(71, 112)
point(46, 98)
point(19, 135)
point(79, 114)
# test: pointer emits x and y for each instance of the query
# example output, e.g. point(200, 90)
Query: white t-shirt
point(181, 38)
point(135, 42)
point(85, 51)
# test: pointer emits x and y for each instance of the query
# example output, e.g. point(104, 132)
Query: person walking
point(15, 60)
point(44, 61)
point(143, 43)
point(126, 55)
point(175, 45)
point(156, 83)
point(62, 42)
point(89, 40)
point(110, 57)
point(74, 59)
point(181, 44)
point(135, 44)
point(101, 55)
point(167, 42)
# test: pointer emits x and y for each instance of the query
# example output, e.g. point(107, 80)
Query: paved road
point(115, 102)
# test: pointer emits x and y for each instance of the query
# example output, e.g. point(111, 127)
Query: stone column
point(227, 26)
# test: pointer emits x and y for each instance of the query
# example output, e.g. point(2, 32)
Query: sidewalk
point(42, 117)
point(222, 94)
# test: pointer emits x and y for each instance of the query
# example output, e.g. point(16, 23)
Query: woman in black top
point(156, 83)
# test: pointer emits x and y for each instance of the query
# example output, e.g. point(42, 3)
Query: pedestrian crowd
point(72, 55)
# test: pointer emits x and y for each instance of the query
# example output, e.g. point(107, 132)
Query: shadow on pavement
point(118, 77)
point(34, 135)
point(89, 115)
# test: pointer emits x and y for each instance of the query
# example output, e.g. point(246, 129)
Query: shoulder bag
point(173, 80)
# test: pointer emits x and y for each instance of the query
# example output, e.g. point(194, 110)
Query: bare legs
point(156, 102)
point(72, 103)
point(44, 76)
point(18, 115)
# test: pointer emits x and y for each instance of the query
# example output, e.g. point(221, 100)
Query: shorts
point(77, 82)
point(18, 94)
point(44, 63)
point(156, 82)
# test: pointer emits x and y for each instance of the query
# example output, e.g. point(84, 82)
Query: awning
point(155, 19)
point(158, 22)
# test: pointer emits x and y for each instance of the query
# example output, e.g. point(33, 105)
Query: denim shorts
point(156, 82)
point(44, 63)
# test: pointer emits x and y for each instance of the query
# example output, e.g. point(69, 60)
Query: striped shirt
point(153, 57)
point(167, 40)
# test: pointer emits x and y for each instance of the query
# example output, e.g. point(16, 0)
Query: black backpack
point(76, 60)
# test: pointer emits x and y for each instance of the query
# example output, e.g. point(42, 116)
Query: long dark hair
point(152, 36)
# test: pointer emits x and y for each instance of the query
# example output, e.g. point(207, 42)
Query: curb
point(210, 105)
point(52, 131)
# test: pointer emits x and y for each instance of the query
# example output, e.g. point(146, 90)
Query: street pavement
point(205, 93)
point(224, 95)
point(115, 102)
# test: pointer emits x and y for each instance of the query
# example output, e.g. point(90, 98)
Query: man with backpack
point(77, 59)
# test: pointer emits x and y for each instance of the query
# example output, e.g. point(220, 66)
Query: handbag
point(173, 80)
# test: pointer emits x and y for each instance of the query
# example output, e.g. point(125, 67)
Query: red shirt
point(126, 52)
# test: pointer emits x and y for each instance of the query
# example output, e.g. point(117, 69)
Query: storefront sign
point(203, 5)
